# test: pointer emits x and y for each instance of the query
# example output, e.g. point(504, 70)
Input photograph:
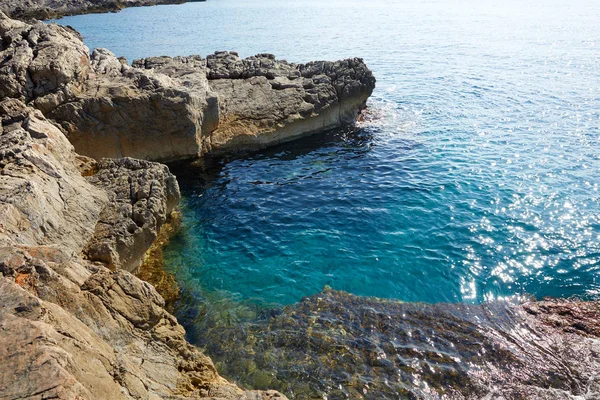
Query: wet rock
point(337, 345)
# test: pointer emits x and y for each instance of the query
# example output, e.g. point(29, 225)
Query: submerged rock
point(336, 345)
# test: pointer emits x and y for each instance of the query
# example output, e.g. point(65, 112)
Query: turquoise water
point(475, 176)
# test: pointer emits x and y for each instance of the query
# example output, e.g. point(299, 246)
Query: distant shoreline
point(46, 10)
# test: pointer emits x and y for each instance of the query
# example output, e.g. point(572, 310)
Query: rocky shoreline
point(79, 215)
point(51, 9)
point(74, 322)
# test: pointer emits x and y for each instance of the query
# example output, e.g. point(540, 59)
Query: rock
point(288, 100)
point(140, 113)
point(44, 200)
point(364, 347)
point(46, 9)
point(40, 60)
point(169, 109)
point(71, 328)
point(141, 196)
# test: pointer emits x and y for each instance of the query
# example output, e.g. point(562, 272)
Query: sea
point(472, 178)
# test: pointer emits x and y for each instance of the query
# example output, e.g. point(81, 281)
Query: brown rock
point(70, 328)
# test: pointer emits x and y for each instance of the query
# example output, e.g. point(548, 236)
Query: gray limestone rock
point(141, 196)
point(167, 109)
point(164, 108)
point(40, 60)
point(44, 199)
point(141, 113)
point(287, 100)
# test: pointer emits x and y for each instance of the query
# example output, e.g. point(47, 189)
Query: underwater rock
point(336, 345)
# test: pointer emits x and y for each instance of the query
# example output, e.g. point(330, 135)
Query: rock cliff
point(74, 324)
point(166, 109)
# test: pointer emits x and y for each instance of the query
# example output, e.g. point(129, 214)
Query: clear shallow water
point(475, 178)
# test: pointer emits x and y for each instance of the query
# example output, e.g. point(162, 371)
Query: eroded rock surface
point(44, 200)
point(39, 60)
point(70, 327)
point(141, 195)
point(141, 113)
point(167, 109)
point(288, 100)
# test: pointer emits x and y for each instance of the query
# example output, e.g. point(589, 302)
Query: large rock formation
point(46, 9)
point(74, 322)
point(167, 109)
point(40, 60)
point(125, 111)
point(71, 328)
point(287, 100)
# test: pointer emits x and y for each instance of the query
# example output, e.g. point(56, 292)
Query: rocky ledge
point(166, 109)
point(47, 9)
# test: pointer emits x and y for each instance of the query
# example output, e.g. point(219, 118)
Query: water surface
point(474, 178)
point(477, 178)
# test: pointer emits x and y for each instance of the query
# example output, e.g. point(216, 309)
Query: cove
point(476, 178)
point(472, 179)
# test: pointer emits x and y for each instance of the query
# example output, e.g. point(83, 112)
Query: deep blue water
point(475, 178)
